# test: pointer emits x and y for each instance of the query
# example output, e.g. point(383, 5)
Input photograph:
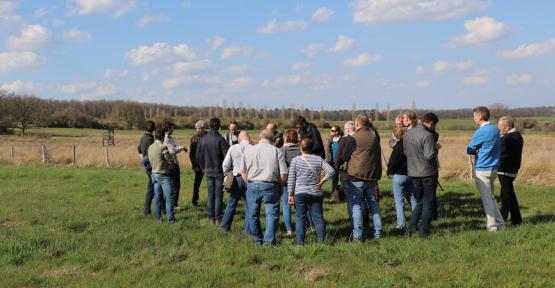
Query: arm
point(475, 144)
point(224, 147)
point(292, 178)
point(329, 174)
point(395, 159)
point(430, 149)
point(283, 170)
point(227, 165)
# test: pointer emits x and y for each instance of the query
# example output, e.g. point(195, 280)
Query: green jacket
point(159, 157)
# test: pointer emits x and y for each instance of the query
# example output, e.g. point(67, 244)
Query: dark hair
point(232, 122)
point(150, 126)
point(300, 120)
point(430, 117)
point(483, 112)
point(168, 125)
point(215, 123)
point(363, 120)
point(338, 129)
point(306, 145)
point(159, 133)
point(291, 136)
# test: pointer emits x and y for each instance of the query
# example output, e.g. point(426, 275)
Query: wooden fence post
point(74, 156)
point(11, 153)
point(43, 153)
point(106, 156)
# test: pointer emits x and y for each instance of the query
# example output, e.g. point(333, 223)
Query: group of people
point(289, 169)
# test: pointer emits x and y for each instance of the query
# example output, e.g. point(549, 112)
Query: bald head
point(267, 135)
point(244, 136)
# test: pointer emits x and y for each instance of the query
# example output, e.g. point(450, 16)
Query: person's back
point(305, 173)
point(365, 163)
point(160, 158)
point(211, 150)
point(291, 150)
point(421, 152)
point(511, 152)
point(259, 169)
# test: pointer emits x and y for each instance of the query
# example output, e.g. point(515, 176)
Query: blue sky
point(314, 54)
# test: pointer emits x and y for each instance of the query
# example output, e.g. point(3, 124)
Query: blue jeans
point(162, 184)
point(349, 202)
point(363, 193)
point(215, 203)
point(302, 203)
point(402, 189)
point(236, 193)
point(286, 210)
point(267, 194)
point(424, 192)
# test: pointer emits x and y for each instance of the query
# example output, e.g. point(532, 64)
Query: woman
point(397, 167)
point(333, 145)
point(175, 172)
point(304, 188)
point(291, 150)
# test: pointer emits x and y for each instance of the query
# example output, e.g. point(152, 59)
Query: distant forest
point(23, 110)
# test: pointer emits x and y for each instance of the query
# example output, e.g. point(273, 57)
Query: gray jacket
point(420, 148)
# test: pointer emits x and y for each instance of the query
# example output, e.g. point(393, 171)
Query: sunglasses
point(333, 131)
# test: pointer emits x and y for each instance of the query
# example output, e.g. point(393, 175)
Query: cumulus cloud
point(530, 50)
point(446, 66)
point(90, 90)
point(235, 51)
point(18, 86)
point(160, 52)
point(480, 31)
point(313, 49)
point(389, 11)
point(215, 43)
point(289, 26)
point(180, 68)
point(422, 84)
point(361, 59)
point(323, 14)
point(212, 83)
point(518, 79)
point(343, 43)
point(117, 8)
point(20, 60)
point(77, 35)
point(32, 38)
point(477, 78)
point(151, 19)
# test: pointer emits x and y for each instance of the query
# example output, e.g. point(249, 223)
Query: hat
point(200, 124)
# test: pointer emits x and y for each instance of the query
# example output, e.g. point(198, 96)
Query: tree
point(131, 113)
point(497, 110)
point(22, 110)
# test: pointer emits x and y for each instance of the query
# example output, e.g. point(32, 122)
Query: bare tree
point(498, 110)
point(23, 110)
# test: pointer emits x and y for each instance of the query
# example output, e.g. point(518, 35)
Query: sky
point(441, 54)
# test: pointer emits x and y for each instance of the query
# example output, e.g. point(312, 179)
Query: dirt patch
point(64, 271)
point(315, 274)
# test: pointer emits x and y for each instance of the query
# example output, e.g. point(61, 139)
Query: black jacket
point(193, 150)
point(511, 152)
point(291, 151)
point(347, 145)
point(311, 131)
point(211, 151)
point(144, 143)
point(397, 161)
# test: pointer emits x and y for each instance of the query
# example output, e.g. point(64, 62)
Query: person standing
point(232, 137)
point(175, 172)
point(200, 127)
point(233, 162)
point(304, 189)
point(278, 137)
point(291, 149)
point(264, 171)
point(142, 148)
point(410, 120)
point(419, 146)
point(402, 186)
point(364, 170)
point(309, 130)
point(210, 154)
point(511, 158)
point(486, 146)
point(161, 159)
point(333, 145)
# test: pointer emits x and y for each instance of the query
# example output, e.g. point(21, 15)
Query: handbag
point(229, 181)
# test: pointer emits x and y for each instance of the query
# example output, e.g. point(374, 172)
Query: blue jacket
point(486, 145)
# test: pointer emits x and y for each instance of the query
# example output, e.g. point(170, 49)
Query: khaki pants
point(484, 181)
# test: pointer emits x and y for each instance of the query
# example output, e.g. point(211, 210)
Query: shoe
point(289, 233)
point(356, 240)
point(194, 202)
point(218, 223)
point(400, 227)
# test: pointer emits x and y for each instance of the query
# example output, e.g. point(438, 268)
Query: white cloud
point(215, 43)
point(281, 81)
point(388, 11)
point(422, 84)
point(479, 77)
point(530, 50)
point(518, 79)
point(323, 14)
point(77, 35)
point(186, 67)
point(236, 69)
point(41, 12)
point(343, 43)
point(230, 52)
point(152, 19)
point(32, 37)
point(117, 8)
point(90, 90)
point(8, 19)
point(209, 83)
point(300, 66)
point(446, 66)
point(480, 31)
point(18, 86)
point(289, 26)
point(313, 49)
point(20, 60)
point(111, 74)
point(361, 59)
point(160, 52)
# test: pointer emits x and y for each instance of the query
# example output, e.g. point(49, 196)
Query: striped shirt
point(303, 179)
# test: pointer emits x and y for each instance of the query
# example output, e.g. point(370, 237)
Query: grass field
point(83, 227)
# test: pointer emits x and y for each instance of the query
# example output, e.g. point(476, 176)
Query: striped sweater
point(302, 179)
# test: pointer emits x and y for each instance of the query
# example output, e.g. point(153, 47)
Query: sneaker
point(289, 233)
point(400, 227)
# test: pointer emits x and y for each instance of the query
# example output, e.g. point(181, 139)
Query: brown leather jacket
point(366, 161)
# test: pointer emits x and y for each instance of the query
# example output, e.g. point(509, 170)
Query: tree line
point(26, 110)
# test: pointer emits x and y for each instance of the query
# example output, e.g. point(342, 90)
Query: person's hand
point(438, 146)
point(318, 186)
point(290, 200)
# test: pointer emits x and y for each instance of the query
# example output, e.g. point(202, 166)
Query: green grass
point(84, 227)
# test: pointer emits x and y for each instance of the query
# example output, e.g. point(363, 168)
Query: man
point(333, 145)
point(309, 130)
point(486, 145)
point(161, 159)
point(142, 148)
point(278, 137)
point(200, 127)
point(210, 154)
point(265, 172)
point(232, 137)
point(364, 171)
point(410, 120)
point(233, 161)
point(419, 146)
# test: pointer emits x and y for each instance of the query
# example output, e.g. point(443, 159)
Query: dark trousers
point(150, 193)
point(305, 206)
point(196, 186)
point(175, 176)
point(424, 192)
point(215, 204)
point(509, 203)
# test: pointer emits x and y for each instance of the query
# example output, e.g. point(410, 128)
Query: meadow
point(83, 227)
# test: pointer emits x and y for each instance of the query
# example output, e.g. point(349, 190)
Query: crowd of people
point(289, 169)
